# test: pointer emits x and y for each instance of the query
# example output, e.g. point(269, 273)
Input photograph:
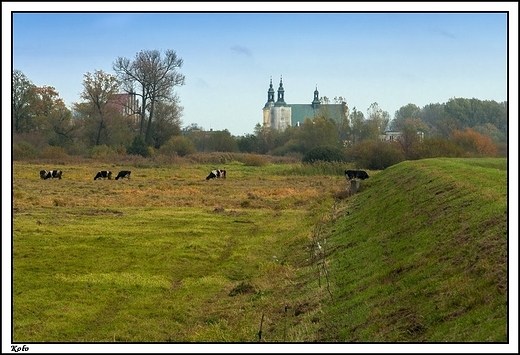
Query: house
point(390, 136)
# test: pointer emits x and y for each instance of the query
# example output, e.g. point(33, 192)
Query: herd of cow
point(106, 174)
point(102, 174)
point(214, 174)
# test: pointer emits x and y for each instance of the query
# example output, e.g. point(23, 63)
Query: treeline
point(43, 127)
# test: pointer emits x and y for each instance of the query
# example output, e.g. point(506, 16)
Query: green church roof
point(299, 112)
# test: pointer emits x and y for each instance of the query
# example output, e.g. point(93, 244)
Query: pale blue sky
point(389, 58)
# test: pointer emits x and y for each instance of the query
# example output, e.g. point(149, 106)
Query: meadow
point(165, 256)
point(274, 253)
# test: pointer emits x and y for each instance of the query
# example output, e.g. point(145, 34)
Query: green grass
point(161, 257)
point(421, 255)
point(418, 255)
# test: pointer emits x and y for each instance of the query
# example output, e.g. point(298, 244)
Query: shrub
point(52, 152)
point(177, 145)
point(100, 151)
point(376, 155)
point(254, 160)
point(324, 153)
point(138, 147)
point(23, 150)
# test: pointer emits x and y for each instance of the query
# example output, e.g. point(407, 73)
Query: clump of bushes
point(52, 152)
point(254, 160)
point(23, 150)
point(324, 153)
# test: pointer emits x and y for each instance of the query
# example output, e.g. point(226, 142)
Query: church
point(279, 115)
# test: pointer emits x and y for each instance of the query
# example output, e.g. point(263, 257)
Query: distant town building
point(390, 136)
point(279, 115)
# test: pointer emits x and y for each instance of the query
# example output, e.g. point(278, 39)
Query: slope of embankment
point(421, 255)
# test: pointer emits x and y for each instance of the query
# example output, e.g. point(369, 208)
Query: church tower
point(316, 102)
point(281, 112)
point(268, 105)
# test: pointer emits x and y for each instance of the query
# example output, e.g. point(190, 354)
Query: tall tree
point(377, 118)
point(357, 120)
point(153, 79)
point(405, 112)
point(23, 99)
point(167, 122)
point(99, 109)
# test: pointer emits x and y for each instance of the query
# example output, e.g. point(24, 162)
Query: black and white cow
point(353, 174)
point(103, 174)
point(218, 173)
point(123, 174)
point(51, 174)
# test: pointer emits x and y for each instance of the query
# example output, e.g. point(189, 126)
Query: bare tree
point(154, 79)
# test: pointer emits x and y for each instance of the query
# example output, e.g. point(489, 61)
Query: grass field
point(269, 254)
point(165, 256)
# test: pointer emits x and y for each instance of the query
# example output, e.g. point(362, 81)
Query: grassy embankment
point(418, 255)
point(422, 256)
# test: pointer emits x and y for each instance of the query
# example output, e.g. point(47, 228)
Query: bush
point(100, 151)
point(324, 153)
point(53, 153)
point(23, 150)
point(138, 147)
point(177, 145)
point(254, 160)
point(376, 155)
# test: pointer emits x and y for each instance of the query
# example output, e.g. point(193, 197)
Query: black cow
point(51, 174)
point(123, 174)
point(105, 174)
point(353, 174)
point(218, 173)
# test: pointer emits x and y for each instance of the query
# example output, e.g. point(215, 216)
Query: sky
point(229, 58)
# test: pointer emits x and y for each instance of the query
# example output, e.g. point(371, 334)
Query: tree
point(357, 120)
point(474, 143)
point(413, 130)
point(431, 115)
point(378, 119)
point(405, 112)
point(318, 132)
point(23, 97)
point(102, 119)
point(154, 79)
point(167, 123)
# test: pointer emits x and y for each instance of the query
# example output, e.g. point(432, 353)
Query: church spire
point(270, 92)
point(316, 101)
point(280, 101)
point(270, 95)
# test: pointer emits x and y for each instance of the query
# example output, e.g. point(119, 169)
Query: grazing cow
point(218, 173)
point(353, 174)
point(105, 174)
point(51, 174)
point(123, 174)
